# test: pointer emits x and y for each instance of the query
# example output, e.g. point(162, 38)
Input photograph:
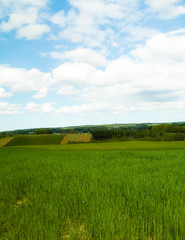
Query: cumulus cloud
point(24, 17)
point(61, 19)
point(32, 31)
point(4, 94)
point(83, 74)
point(20, 18)
point(103, 9)
point(38, 3)
point(94, 23)
point(73, 73)
point(23, 80)
point(68, 91)
point(150, 77)
point(166, 9)
point(85, 108)
point(41, 93)
point(84, 55)
point(41, 108)
point(9, 109)
point(163, 47)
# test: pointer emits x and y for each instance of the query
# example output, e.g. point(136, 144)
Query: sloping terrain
point(76, 138)
point(35, 140)
point(4, 141)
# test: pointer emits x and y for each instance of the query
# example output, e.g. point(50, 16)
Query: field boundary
point(4, 141)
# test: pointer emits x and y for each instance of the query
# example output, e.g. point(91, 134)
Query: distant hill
point(86, 128)
point(35, 140)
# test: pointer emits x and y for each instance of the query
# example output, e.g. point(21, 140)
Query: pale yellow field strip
point(4, 141)
point(76, 138)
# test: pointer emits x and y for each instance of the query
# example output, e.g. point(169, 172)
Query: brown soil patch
point(76, 138)
point(4, 141)
point(75, 231)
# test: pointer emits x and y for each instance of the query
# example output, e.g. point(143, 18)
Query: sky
point(83, 62)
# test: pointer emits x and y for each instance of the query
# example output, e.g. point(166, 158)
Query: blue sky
point(78, 62)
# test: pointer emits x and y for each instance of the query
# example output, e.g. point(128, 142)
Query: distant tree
point(43, 131)
point(49, 131)
point(178, 137)
point(3, 134)
point(72, 131)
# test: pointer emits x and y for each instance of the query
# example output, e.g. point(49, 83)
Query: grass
point(4, 141)
point(76, 138)
point(97, 195)
point(35, 140)
point(116, 146)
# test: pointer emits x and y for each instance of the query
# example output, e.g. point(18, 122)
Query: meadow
point(98, 195)
point(43, 139)
point(112, 146)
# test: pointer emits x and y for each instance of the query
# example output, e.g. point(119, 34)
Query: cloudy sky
point(77, 62)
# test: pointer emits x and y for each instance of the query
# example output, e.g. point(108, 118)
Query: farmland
point(5, 141)
point(76, 138)
point(49, 193)
point(35, 140)
point(113, 146)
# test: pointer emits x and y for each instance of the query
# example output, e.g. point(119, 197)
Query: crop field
point(115, 146)
point(4, 141)
point(76, 138)
point(35, 140)
point(96, 195)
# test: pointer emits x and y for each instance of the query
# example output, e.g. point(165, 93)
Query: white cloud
point(153, 74)
point(41, 108)
point(38, 3)
point(73, 74)
point(24, 16)
point(67, 91)
point(84, 55)
point(85, 108)
point(82, 74)
point(4, 94)
point(163, 47)
point(102, 9)
point(94, 23)
point(20, 18)
point(157, 72)
point(151, 78)
point(9, 109)
point(166, 9)
point(61, 19)
point(87, 34)
point(137, 33)
point(23, 80)
point(32, 31)
point(41, 93)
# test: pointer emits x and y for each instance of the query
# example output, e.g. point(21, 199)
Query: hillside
point(35, 140)
point(4, 141)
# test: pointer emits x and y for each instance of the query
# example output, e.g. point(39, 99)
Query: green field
point(97, 195)
point(5, 141)
point(35, 140)
point(115, 146)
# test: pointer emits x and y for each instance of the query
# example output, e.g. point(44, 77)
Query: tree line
point(159, 132)
point(122, 132)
